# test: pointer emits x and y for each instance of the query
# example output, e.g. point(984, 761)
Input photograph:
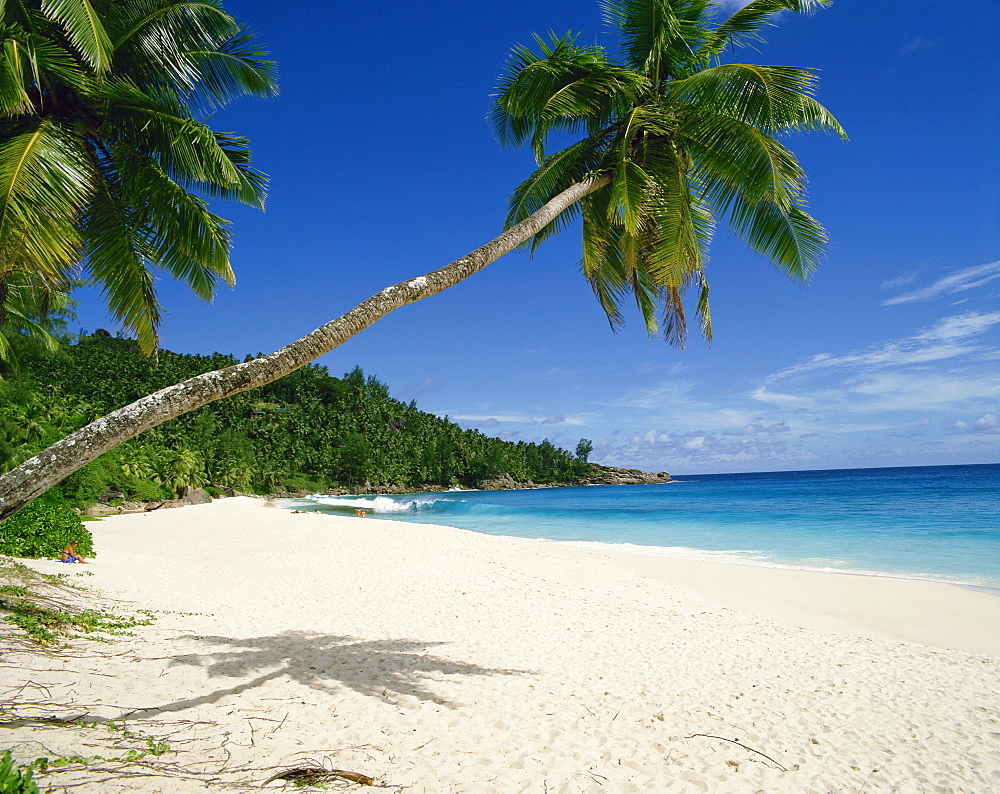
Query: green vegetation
point(675, 140)
point(105, 157)
point(678, 140)
point(146, 747)
point(44, 624)
point(43, 608)
point(19, 779)
point(14, 780)
point(44, 528)
point(306, 432)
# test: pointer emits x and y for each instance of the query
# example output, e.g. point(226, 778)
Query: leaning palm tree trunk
point(36, 475)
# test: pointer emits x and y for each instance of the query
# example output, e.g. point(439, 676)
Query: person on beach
point(69, 554)
point(360, 513)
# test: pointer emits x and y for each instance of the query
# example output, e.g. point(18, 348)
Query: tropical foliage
point(680, 139)
point(104, 161)
point(44, 528)
point(308, 431)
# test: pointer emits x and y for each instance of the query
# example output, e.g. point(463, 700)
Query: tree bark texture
point(39, 473)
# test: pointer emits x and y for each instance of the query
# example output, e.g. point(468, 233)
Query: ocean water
point(929, 522)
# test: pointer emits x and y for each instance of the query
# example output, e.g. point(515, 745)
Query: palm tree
point(673, 138)
point(102, 158)
point(679, 140)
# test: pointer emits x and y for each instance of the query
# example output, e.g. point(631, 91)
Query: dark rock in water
point(612, 475)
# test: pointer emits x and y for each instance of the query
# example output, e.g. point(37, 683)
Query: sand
point(437, 660)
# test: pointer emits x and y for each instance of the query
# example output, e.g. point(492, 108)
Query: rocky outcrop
point(188, 496)
point(612, 475)
point(103, 509)
point(503, 483)
point(191, 496)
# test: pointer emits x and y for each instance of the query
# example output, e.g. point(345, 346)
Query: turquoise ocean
point(928, 522)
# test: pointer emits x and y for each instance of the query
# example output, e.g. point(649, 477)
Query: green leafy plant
point(44, 528)
point(141, 490)
point(44, 624)
point(87, 486)
point(14, 780)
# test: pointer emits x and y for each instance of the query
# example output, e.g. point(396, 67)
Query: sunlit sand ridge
point(438, 660)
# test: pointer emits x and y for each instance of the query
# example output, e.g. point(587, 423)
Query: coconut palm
point(677, 138)
point(103, 161)
point(672, 139)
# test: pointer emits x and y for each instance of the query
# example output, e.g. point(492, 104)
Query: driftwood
point(311, 775)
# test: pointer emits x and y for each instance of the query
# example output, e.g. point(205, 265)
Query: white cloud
point(777, 398)
point(969, 278)
point(948, 338)
point(899, 281)
point(990, 423)
point(667, 393)
point(492, 420)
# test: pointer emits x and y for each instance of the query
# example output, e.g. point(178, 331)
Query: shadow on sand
point(324, 662)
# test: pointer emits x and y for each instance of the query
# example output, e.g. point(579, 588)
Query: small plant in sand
point(14, 780)
point(42, 608)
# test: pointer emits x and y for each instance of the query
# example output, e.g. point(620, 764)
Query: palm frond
point(17, 73)
point(31, 69)
point(118, 254)
point(563, 87)
point(789, 237)
point(648, 29)
point(772, 98)
point(733, 158)
point(682, 140)
point(84, 29)
point(44, 185)
point(680, 229)
point(602, 262)
point(189, 20)
point(184, 237)
point(23, 308)
point(233, 68)
point(742, 28)
point(159, 43)
point(557, 172)
point(251, 185)
point(188, 148)
point(703, 309)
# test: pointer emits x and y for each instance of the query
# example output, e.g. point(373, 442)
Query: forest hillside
point(308, 431)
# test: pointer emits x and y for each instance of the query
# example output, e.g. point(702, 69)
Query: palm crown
point(103, 161)
point(672, 139)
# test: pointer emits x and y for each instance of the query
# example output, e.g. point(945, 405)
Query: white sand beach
point(438, 660)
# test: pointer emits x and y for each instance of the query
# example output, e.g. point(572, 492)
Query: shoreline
point(951, 615)
point(443, 660)
point(690, 553)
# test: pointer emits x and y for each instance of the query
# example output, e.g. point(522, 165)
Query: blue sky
point(383, 167)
